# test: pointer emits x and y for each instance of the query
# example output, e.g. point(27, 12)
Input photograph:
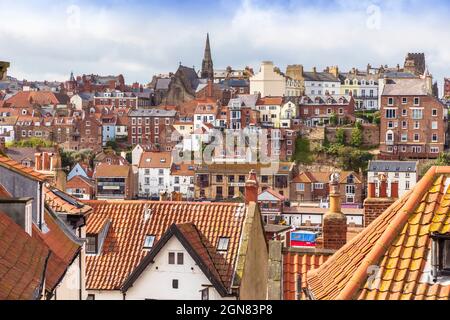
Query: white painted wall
point(322, 86)
point(185, 182)
point(152, 186)
point(268, 82)
point(401, 178)
point(156, 281)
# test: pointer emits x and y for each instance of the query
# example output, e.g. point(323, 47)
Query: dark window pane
point(180, 258)
point(171, 258)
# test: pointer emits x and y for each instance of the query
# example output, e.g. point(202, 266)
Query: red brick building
point(88, 132)
point(314, 187)
point(413, 121)
point(151, 126)
point(321, 109)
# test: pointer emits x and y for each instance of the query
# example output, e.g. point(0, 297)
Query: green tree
point(302, 152)
point(340, 136)
point(334, 119)
point(357, 137)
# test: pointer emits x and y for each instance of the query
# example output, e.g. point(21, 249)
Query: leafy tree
point(112, 144)
point(357, 137)
point(32, 143)
point(302, 151)
point(334, 119)
point(340, 136)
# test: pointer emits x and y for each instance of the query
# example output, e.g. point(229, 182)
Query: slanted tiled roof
point(61, 202)
point(23, 261)
point(122, 253)
point(21, 169)
point(295, 267)
point(110, 170)
point(392, 166)
point(62, 247)
point(156, 160)
point(405, 87)
point(397, 244)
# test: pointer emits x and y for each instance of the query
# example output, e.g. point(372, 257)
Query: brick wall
point(374, 207)
point(334, 231)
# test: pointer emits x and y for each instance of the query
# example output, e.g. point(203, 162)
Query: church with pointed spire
point(207, 64)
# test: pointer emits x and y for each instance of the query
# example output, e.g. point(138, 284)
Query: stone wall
point(371, 134)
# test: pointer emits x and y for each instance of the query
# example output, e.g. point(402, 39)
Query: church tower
point(207, 64)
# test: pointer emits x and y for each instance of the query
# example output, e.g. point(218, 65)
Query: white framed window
point(223, 243)
point(434, 125)
point(434, 149)
point(149, 241)
point(300, 187)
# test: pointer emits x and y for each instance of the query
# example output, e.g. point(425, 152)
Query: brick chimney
point(334, 228)
point(251, 188)
point(374, 206)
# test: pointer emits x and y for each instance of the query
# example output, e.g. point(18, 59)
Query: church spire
point(207, 64)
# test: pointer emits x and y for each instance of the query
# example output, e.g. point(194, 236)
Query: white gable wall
point(156, 281)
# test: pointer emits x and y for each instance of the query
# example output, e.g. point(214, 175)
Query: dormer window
point(148, 242)
point(223, 244)
point(441, 255)
point(91, 244)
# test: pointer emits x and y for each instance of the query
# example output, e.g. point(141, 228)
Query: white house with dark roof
point(405, 172)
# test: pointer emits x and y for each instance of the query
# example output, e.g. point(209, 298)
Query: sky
point(47, 39)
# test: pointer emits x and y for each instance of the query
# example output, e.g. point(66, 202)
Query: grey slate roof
point(152, 113)
point(162, 84)
point(406, 87)
point(392, 166)
point(320, 76)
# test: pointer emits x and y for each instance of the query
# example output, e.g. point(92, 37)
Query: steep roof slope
point(390, 259)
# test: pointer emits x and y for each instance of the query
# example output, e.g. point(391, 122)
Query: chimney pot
point(371, 190)
point(251, 188)
point(394, 189)
point(383, 186)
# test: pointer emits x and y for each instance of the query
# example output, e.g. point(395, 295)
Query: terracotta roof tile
point(60, 201)
point(295, 265)
point(397, 244)
point(23, 261)
point(121, 254)
point(21, 169)
point(110, 170)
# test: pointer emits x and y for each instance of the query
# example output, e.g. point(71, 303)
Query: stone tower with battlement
point(415, 63)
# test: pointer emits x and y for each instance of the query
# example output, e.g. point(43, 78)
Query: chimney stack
point(251, 188)
point(334, 228)
point(375, 206)
point(163, 196)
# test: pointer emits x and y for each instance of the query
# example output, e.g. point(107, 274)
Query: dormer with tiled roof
point(402, 255)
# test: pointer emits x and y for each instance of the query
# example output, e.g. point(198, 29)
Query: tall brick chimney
point(334, 228)
point(374, 206)
point(251, 188)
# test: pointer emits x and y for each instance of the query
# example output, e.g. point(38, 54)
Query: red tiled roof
point(269, 101)
point(397, 244)
point(59, 201)
point(295, 265)
point(122, 253)
point(23, 261)
point(156, 160)
point(21, 169)
point(111, 170)
point(63, 251)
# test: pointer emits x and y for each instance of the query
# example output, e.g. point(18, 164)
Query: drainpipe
point(80, 266)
